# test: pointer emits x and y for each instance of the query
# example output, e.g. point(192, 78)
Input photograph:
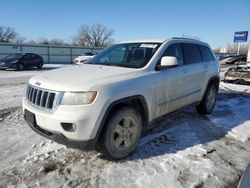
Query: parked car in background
point(85, 57)
point(234, 59)
point(20, 61)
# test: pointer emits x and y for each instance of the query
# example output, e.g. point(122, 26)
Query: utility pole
point(238, 51)
point(248, 54)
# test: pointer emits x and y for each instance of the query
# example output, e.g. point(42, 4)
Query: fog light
point(69, 127)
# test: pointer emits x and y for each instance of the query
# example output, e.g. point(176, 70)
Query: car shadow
point(184, 129)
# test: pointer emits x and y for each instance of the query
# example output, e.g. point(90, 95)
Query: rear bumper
point(61, 139)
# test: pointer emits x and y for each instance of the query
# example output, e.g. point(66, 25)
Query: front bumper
point(60, 138)
point(8, 65)
point(85, 119)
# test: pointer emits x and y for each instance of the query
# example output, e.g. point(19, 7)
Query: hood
point(81, 78)
point(8, 60)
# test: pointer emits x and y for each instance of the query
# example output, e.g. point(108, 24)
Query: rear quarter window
point(35, 56)
point(192, 53)
point(206, 53)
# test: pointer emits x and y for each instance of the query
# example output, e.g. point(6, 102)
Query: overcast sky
point(214, 21)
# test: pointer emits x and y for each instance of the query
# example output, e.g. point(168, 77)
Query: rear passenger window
point(206, 53)
point(191, 53)
point(34, 56)
point(175, 50)
point(28, 56)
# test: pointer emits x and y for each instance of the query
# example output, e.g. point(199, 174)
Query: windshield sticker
point(148, 45)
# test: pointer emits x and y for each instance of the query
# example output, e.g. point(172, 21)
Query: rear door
point(208, 62)
point(27, 60)
point(35, 60)
point(196, 72)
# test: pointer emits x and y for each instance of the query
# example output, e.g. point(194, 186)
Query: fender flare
point(120, 101)
point(210, 81)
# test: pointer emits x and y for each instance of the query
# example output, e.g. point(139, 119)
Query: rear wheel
point(122, 134)
point(20, 67)
point(208, 102)
point(40, 65)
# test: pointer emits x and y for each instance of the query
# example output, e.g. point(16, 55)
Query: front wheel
point(20, 67)
point(208, 102)
point(122, 133)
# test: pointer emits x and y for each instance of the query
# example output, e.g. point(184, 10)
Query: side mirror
point(169, 61)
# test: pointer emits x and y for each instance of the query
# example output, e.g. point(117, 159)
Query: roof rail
point(185, 38)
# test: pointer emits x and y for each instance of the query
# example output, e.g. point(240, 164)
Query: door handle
point(184, 71)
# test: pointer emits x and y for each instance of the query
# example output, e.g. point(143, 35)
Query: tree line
point(96, 35)
point(233, 48)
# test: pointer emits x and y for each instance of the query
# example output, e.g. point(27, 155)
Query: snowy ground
point(185, 150)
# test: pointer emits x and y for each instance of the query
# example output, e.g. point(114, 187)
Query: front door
point(170, 83)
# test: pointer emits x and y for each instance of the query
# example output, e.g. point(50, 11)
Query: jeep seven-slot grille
point(40, 98)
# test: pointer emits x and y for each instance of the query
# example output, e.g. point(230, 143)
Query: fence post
point(71, 60)
point(48, 47)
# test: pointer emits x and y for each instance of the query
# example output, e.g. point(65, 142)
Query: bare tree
point(96, 35)
point(19, 40)
point(7, 34)
point(57, 42)
point(31, 42)
point(44, 41)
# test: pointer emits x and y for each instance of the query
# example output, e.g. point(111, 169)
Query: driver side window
point(175, 50)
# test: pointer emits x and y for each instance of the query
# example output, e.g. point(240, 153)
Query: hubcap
point(21, 67)
point(125, 133)
point(211, 97)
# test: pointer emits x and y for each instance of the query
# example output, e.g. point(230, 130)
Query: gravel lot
point(184, 150)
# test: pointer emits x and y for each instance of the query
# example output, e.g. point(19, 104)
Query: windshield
point(131, 55)
point(12, 57)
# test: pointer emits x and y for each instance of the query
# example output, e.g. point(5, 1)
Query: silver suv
point(108, 102)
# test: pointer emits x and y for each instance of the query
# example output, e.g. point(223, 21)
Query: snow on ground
point(235, 87)
point(184, 150)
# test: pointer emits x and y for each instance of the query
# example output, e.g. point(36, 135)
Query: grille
point(40, 98)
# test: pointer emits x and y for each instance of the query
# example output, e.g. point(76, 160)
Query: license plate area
point(30, 117)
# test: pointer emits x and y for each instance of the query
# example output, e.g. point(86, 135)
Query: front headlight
point(78, 98)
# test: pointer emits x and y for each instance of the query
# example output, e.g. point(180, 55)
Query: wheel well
point(137, 102)
point(214, 80)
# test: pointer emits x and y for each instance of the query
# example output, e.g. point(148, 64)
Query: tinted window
point(175, 50)
point(206, 53)
point(34, 56)
point(191, 53)
point(28, 56)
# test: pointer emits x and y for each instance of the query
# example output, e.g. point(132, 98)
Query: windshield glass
point(12, 57)
point(131, 55)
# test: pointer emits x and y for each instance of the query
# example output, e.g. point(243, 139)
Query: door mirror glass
point(169, 61)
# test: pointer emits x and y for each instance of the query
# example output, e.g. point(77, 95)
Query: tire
point(121, 134)
point(209, 99)
point(40, 65)
point(20, 67)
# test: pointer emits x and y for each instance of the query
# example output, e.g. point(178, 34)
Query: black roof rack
point(185, 38)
